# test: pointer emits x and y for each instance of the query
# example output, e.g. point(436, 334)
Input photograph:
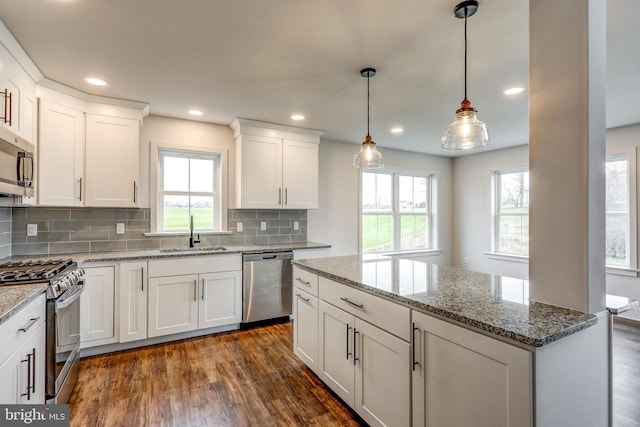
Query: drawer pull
point(303, 298)
point(348, 301)
point(29, 325)
point(302, 281)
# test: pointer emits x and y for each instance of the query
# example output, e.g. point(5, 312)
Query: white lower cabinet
point(365, 366)
point(220, 299)
point(462, 378)
point(98, 323)
point(195, 301)
point(133, 301)
point(22, 358)
point(194, 293)
point(305, 331)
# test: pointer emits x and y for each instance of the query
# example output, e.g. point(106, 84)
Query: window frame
point(431, 215)
point(156, 185)
point(496, 199)
point(631, 238)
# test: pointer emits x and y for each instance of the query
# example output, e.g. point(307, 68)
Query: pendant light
point(368, 157)
point(466, 131)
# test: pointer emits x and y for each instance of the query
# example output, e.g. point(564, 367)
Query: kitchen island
point(434, 345)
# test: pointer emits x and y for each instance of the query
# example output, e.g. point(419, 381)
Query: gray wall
point(68, 230)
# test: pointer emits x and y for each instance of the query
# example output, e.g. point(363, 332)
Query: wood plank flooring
point(244, 378)
point(626, 373)
point(252, 378)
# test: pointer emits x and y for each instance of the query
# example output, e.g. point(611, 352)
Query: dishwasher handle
point(267, 256)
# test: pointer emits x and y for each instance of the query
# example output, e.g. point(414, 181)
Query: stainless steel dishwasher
point(266, 285)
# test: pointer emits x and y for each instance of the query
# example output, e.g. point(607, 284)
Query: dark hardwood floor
point(251, 378)
point(626, 373)
point(244, 378)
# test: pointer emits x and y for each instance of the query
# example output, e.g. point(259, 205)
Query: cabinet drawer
point(305, 280)
point(10, 334)
point(384, 314)
point(194, 265)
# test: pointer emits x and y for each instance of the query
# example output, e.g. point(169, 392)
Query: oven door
point(63, 345)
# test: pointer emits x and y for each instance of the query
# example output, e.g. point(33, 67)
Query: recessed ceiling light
point(514, 91)
point(297, 117)
point(195, 112)
point(95, 81)
point(397, 130)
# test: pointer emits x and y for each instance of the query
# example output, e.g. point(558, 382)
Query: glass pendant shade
point(465, 132)
point(368, 157)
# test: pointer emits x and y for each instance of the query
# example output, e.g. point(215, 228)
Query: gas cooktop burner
point(32, 271)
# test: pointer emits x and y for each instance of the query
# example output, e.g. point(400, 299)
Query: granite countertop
point(618, 305)
point(175, 252)
point(14, 297)
point(495, 304)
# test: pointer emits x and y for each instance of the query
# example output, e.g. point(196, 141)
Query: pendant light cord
point(368, 78)
point(465, 52)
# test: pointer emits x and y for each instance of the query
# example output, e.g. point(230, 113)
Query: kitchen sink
point(197, 249)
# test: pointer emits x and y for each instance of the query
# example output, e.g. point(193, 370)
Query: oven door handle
point(71, 298)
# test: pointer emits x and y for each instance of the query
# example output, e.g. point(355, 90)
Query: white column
point(567, 73)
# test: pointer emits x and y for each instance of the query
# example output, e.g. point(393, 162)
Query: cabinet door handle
point(195, 290)
point(280, 196)
point(286, 196)
point(355, 346)
point(28, 392)
point(80, 181)
point(10, 108)
point(348, 352)
point(134, 191)
point(142, 279)
point(29, 325)
point(202, 290)
point(303, 298)
point(413, 346)
point(33, 372)
point(5, 94)
point(348, 301)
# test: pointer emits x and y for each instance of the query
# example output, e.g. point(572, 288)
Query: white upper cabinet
point(17, 97)
point(88, 153)
point(61, 155)
point(112, 161)
point(276, 166)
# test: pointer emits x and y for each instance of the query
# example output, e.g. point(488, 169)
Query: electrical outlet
point(120, 228)
point(466, 259)
point(32, 229)
point(296, 225)
point(239, 227)
point(263, 225)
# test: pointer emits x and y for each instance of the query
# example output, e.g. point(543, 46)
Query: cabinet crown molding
point(258, 128)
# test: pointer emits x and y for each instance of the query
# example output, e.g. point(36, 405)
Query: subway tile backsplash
point(68, 230)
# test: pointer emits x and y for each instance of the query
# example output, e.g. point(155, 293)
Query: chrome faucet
point(192, 240)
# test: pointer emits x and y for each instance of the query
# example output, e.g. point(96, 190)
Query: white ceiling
point(266, 60)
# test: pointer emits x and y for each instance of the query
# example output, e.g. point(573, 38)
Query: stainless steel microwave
point(16, 165)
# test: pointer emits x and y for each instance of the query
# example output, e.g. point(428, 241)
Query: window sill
point(524, 259)
point(184, 233)
point(623, 271)
point(418, 252)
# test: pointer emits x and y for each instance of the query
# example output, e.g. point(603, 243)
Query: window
point(617, 211)
point(512, 212)
point(188, 185)
point(396, 211)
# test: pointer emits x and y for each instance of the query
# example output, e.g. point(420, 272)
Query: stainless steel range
point(64, 286)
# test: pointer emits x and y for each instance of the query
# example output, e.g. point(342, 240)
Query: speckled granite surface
point(14, 297)
point(495, 304)
point(618, 305)
point(177, 252)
